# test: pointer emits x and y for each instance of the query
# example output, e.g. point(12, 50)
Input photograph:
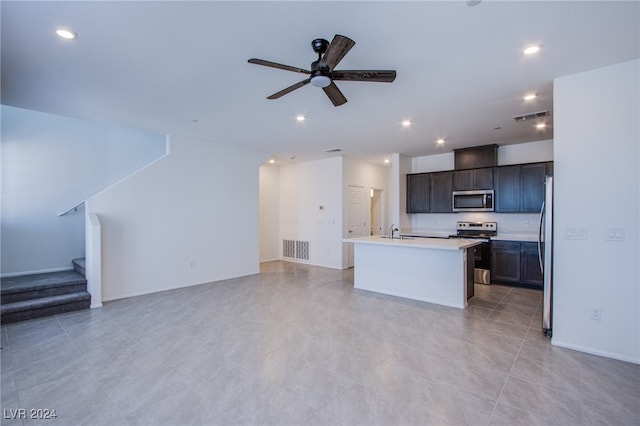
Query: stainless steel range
point(480, 231)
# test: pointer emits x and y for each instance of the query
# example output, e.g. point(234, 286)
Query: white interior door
point(358, 219)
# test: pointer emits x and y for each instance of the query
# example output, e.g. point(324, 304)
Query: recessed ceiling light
point(530, 97)
point(272, 161)
point(66, 34)
point(300, 117)
point(440, 141)
point(406, 123)
point(386, 161)
point(541, 125)
point(531, 50)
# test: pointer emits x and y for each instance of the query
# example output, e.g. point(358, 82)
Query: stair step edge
point(40, 281)
point(44, 301)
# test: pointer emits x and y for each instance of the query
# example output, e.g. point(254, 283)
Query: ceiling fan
point(323, 74)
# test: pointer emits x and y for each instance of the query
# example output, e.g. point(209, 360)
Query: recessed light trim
point(530, 96)
point(440, 141)
point(541, 126)
point(66, 34)
point(406, 123)
point(300, 117)
point(532, 50)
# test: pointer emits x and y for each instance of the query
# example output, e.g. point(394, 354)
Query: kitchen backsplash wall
point(508, 223)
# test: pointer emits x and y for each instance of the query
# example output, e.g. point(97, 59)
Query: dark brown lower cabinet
point(505, 261)
point(531, 274)
point(515, 263)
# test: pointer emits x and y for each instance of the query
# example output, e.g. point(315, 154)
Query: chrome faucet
point(392, 230)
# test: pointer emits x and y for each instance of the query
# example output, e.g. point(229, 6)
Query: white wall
point(49, 164)
point(187, 219)
point(400, 167)
point(597, 187)
point(269, 212)
point(368, 176)
point(304, 187)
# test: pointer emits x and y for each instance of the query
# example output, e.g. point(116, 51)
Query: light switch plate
point(576, 234)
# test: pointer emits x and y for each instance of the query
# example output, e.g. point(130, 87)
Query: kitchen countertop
point(422, 242)
point(425, 233)
point(502, 236)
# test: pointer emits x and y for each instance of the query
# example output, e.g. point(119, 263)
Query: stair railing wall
point(93, 248)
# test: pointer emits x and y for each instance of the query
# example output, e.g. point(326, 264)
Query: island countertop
point(424, 243)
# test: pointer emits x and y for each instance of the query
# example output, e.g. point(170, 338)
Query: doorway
point(377, 212)
point(358, 219)
point(366, 215)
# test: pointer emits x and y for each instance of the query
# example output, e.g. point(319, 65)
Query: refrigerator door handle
point(540, 237)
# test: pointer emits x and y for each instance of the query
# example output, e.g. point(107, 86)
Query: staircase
point(39, 295)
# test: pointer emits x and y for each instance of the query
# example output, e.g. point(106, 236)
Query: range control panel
point(489, 227)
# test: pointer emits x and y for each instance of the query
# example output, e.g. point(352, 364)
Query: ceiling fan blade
point(336, 96)
point(338, 47)
point(383, 76)
point(276, 65)
point(289, 89)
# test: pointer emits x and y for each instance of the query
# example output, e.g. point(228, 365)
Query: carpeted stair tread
point(80, 266)
point(34, 282)
point(45, 302)
point(44, 307)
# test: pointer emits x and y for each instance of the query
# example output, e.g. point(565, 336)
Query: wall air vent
point(294, 249)
point(333, 150)
point(531, 115)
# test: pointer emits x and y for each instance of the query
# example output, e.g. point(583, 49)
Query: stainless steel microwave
point(473, 201)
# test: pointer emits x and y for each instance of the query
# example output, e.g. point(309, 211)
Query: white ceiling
point(181, 68)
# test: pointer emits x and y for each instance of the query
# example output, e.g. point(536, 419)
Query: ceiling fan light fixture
point(320, 81)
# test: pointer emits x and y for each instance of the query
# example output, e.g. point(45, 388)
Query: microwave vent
point(531, 115)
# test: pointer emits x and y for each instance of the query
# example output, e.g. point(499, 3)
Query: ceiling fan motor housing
point(320, 45)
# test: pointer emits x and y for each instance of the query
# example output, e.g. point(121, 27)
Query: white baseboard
point(592, 351)
point(42, 271)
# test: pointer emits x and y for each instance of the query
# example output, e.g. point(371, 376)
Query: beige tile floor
point(297, 345)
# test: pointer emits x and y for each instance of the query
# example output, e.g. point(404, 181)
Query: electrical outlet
point(596, 313)
point(615, 234)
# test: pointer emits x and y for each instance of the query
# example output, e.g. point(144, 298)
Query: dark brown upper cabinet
point(418, 188)
point(520, 188)
point(472, 179)
point(441, 189)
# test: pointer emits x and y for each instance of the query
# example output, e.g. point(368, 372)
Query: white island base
point(430, 270)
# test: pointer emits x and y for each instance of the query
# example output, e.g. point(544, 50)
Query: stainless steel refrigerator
point(545, 255)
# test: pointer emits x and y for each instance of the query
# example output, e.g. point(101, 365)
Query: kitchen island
point(434, 270)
